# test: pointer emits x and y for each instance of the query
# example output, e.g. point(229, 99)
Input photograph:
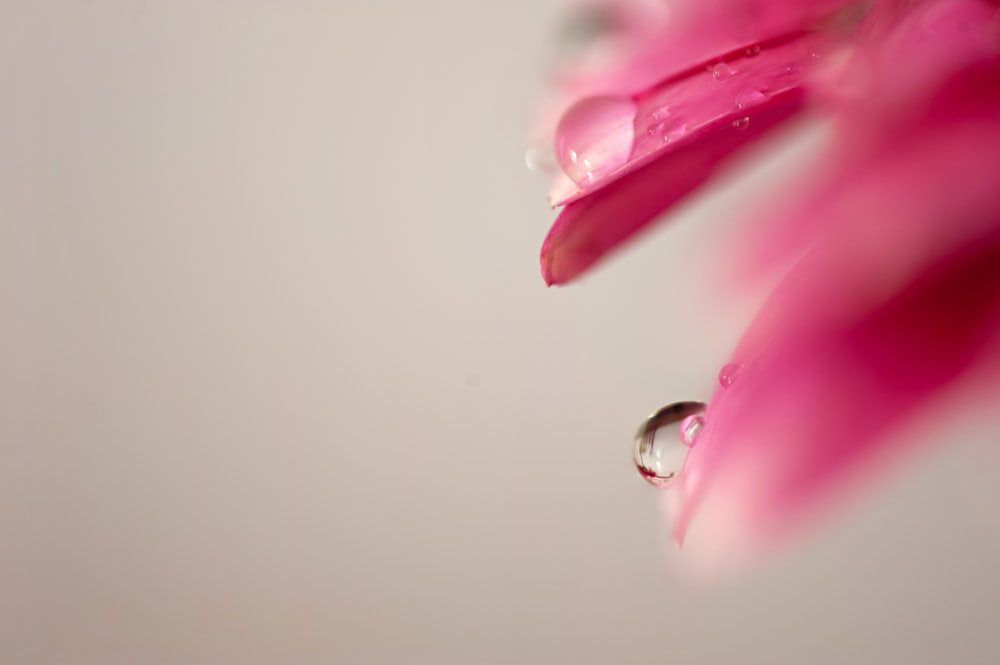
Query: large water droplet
point(728, 374)
point(595, 137)
point(660, 449)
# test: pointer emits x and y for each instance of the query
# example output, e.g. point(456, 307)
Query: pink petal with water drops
point(652, 48)
point(616, 134)
point(684, 131)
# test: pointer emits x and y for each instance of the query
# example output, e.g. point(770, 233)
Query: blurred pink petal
point(898, 299)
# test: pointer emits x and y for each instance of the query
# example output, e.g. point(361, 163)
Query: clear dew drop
point(728, 374)
point(541, 159)
point(742, 123)
point(722, 71)
point(749, 98)
point(595, 138)
point(661, 446)
point(752, 51)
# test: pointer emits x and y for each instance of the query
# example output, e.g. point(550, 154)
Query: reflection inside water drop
point(690, 429)
point(660, 446)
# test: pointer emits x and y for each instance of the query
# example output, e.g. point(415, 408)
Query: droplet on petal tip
point(595, 137)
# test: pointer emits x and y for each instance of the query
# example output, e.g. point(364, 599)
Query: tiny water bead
point(659, 455)
point(665, 124)
point(722, 71)
point(742, 123)
point(595, 137)
point(728, 374)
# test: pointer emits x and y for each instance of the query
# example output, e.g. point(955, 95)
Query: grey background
point(280, 383)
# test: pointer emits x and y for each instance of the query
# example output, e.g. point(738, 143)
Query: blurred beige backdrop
point(280, 383)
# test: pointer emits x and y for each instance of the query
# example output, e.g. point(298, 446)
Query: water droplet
point(690, 429)
point(741, 123)
point(749, 98)
point(751, 51)
point(722, 71)
point(541, 159)
point(659, 455)
point(595, 137)
point(728, 374)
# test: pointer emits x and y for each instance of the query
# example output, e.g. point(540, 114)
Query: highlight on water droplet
point(690, 429)
point(749, 98)
point(595, 137)
point(742, 123)
point(660, 450)
point(728, 374)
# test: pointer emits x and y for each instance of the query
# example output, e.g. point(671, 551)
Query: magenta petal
point(898, 301)
point(814, 406)
point(590, 227)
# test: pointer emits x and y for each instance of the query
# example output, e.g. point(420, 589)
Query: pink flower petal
point(590, 227)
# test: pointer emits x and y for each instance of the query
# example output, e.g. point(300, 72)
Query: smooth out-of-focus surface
point(280, 382)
